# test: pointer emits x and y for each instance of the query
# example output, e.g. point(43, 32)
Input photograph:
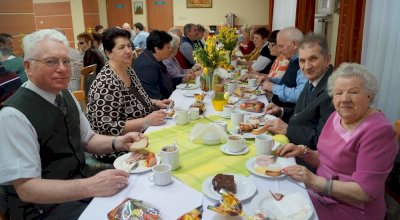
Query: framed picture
point(199, 3)
point(138, 8)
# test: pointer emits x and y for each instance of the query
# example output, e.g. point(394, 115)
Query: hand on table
point(156, 117)
point(107, 182)
point(273, 109)
point(164, 103)
point(301, 174)
point(267, 85)
point(289, 150)
point(276, 126)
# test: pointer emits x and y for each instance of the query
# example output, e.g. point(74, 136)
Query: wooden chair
point(87, 73)
point(80, 96)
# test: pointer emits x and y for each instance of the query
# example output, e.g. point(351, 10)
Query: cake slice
point(222, 181)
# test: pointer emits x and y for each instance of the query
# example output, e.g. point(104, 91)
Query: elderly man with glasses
point(44, 135)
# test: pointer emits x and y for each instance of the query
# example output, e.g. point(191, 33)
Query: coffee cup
point(161, 174)
point(170, 155)
point(181, 117)
point(264, 144)
point(252, 82)
point(235, 143)
point(232, 85)
point(227, 110)
point(223, 125)
point(237, 117)
point(193, 113)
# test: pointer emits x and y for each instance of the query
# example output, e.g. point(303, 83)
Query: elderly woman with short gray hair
point(355, 151)
point(177, 74)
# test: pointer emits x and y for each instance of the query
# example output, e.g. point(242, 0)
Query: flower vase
point(206, 80)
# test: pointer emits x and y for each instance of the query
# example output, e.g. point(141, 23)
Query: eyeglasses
point(270, 44)
point(54, 63)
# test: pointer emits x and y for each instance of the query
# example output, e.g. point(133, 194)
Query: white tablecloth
point(177, 198)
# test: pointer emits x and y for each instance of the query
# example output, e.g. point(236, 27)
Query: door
point(118, 12)
point(159, 15)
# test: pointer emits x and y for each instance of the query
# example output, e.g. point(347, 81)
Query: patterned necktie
point(61, 104)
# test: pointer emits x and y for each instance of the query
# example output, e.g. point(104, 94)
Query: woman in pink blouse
point(355, 151)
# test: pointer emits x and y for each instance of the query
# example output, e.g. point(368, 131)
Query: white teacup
point(252, 82)
point(223, 125)
point(232, 85)
point(264, 144)
point(193, 113)
point(161, 174)
point(181, 117)
point(227, 110)
point(235, 143)
point(170, 155)
point(237, 117)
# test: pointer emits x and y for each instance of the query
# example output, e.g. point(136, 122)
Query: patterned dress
point(111, 104)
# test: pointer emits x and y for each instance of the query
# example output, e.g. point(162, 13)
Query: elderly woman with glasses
point(117, 101)
point(177, 74)
point(150, 69)
point(355, 151)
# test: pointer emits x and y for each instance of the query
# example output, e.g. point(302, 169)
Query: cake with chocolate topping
point(222, 181)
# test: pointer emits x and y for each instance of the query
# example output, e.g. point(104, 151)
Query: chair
point(80, 96)
point(87, 76)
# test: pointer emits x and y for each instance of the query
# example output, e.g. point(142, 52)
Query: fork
point(136, 165)
point(258, 86)
point(273, 159)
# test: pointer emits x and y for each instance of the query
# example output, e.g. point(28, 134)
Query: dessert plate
point(256, 170)
point(121, 164)
point(186, 86)
point(244, 186)
point(293, 206)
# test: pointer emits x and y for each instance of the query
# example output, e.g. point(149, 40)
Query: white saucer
point(223, 115)
point(224, 148)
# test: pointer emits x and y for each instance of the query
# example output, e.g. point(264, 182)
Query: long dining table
point(197, 162)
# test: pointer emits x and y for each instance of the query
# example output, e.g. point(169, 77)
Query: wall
point(255, 13)
point(248, 12)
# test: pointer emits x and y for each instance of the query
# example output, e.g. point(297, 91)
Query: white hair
point(347, 70)
point(31, 41)
point(175, 42)
point(291, 34)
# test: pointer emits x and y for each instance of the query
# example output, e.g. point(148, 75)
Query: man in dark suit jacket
point(303, 124)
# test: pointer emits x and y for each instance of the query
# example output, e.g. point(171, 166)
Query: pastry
point(252, 106)
point(222, 181)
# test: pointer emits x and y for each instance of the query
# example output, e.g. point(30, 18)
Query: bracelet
point(327, 188)
point(306, 150)
point(113, 144)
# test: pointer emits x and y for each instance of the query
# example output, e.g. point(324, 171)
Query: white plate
point(224, 148)
point(244, 186)
point(120, 164)
point(262, 121)
point(246, 135)
point(264, 203)
point(280, 162)
point(185, 86)
point(188, 93)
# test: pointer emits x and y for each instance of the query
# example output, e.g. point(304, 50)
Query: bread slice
point(143, 143)
point(261, 130)
point(273, 171)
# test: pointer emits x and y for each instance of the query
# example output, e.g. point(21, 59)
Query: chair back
point(88, 73)
point(80, 96)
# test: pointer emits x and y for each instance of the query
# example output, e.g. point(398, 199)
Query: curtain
point(271, 13)
point(350, 31)
point(284, 14)
point(380, 54)
point(305, 14)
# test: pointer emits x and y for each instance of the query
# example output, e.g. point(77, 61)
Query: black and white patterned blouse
point(111, 104)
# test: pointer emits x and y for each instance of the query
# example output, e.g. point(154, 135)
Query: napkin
point(199, 131)
point(292, 204)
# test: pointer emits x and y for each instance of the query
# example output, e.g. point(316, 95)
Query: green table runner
point(198, 161)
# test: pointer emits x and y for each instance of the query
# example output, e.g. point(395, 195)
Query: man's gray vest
point(59, 137)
